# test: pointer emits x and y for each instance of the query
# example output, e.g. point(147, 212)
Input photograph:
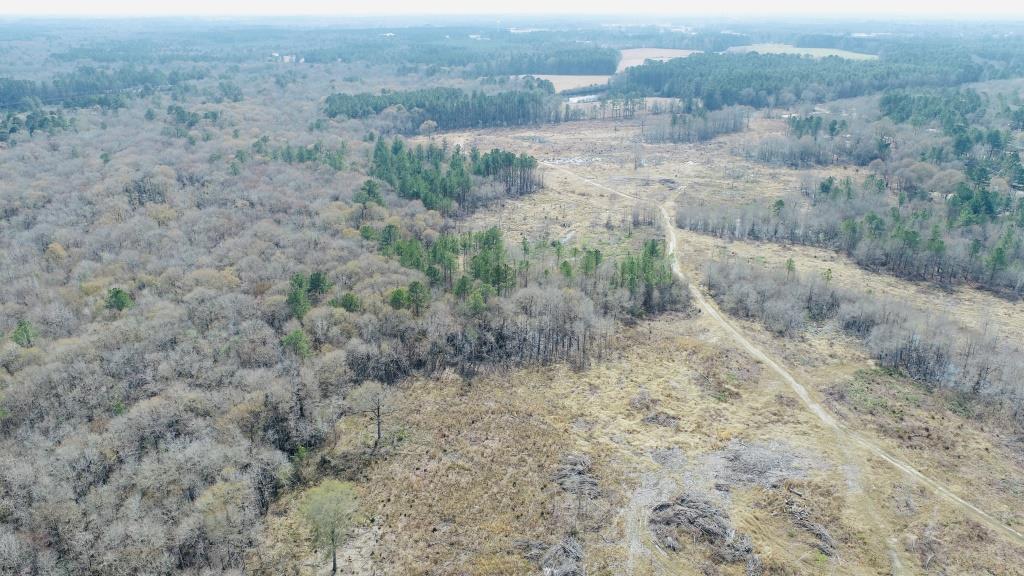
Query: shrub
point(23, 334)
point(348, 301)
point(118, 299)
point(297, 343)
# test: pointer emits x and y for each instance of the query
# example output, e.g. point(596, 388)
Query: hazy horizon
point(944, 10)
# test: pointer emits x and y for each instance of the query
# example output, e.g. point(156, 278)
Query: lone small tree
point(428, 127)
point(118, 299)
point(349, 301)
point(297, 343)
point(319, 284)
point(418, 296)
point(330, 510)
point(399, 298)
point(375, 399)
point(24, 333)
point(298, 296)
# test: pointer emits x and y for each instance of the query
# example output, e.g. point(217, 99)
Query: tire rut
point(708, 306)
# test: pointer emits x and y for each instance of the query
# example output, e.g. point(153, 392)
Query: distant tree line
point(593, 60)
point(452, 108)
point(495, 52)
point(765, 80)
point(49, 121)
point(90, 86)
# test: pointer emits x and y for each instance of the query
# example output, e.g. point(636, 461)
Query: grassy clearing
point(637, 56)
point(568, 81)
point(470, 477)
point(789, 49)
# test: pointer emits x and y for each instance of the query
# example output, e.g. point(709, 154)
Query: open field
point(789, 49)
point(568, 81)
point(630, 57)
point(713, 395)
point(637, 56)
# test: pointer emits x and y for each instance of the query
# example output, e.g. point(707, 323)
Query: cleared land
point(630, 57)
point(637, 56)
point(679, 406)
point(568, 81)
point(789, 49)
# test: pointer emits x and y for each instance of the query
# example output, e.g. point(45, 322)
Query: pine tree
point(24, 334)
point(118, 299)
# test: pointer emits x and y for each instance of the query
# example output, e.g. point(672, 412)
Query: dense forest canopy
point(762, 80)
point(452, 108)
point(90, 86)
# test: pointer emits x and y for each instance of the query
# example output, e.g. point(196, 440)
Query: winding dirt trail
point(708, 307)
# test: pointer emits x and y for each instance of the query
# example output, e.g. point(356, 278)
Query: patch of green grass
point(862, 397)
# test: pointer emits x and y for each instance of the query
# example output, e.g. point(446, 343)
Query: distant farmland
point(568, 81)
point(789, 49)
point(637, 56)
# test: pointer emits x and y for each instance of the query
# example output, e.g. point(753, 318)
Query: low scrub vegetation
point(926, 346)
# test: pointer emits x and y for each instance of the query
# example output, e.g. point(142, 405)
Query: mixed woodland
point(217, 239)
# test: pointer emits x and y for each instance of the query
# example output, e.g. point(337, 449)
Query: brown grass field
point(569, 81)
point(465, 483)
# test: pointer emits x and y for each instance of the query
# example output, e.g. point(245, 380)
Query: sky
point(735, 8)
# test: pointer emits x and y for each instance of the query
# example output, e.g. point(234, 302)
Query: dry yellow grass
point(637, 56)
point(472, 475)
point(475, 473)
point(570, 81)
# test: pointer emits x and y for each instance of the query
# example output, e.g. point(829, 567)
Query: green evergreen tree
point(348, 301)
point(399, 299)
point(419, 297)
point(319, 284)
point(298, 296)
point(297, 343)
point(24, 334)
point(118, 299)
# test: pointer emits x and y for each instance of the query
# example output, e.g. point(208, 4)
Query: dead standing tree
point(375, 399)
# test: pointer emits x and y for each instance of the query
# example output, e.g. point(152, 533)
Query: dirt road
point(708, 307)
